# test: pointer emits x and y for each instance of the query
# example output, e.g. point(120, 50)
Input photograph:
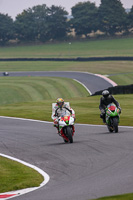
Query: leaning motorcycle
point(66, 128)
point(112, 117)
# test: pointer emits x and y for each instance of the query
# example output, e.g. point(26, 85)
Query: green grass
point(114, 47)
point(86, 112)
point(118, 197)
point(105, 67)
point(16, 176)
point(86, 109)
point(27, 89)
point(31, 97)
point(123, 79)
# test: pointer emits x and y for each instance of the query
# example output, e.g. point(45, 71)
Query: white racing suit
point(65, 110)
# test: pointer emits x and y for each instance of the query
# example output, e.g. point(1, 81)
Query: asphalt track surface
point(97, 164)
point(91, 81)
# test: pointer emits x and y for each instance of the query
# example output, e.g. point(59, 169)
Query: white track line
point(24, 191)
point(46, 176)
point(83, 86)
point(98, 75)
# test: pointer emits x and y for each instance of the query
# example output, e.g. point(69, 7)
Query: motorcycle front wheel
point(115, 124)
point(69, 134)
point(110, 128)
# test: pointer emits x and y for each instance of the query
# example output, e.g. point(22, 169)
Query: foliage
point(85, 18)
point(57, 22)
point(24, 26)
point(41, 23)
point(112, 17)
point(130, 19)
point(6, 29)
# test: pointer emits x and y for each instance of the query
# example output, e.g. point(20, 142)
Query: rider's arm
point(55, 115)
point(73, 112)
point(115, 102)
point(70, 110)
point(101, 106)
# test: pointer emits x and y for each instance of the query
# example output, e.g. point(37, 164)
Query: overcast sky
point(14, 7)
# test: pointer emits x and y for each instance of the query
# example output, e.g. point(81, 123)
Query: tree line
point(42, 23)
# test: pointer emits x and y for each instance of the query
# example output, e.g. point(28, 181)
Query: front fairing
point(65, 122)
point(71, 121)
point(111, 113)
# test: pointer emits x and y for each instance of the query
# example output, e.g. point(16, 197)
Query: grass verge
point(122, 70)
point(86, 109)
point(16, 176)
point(118, 197)
point(111, 47)
point(103, 67)
point(123, 79)
point(27, 89)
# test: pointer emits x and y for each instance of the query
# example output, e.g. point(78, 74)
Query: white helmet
point(105, 93)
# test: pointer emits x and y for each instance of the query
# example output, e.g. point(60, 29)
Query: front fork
point(109, 121)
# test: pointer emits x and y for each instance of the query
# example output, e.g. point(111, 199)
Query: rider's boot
point(58, 130)
point(104, 121)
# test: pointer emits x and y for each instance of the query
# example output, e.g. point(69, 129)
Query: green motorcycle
point(112, 117)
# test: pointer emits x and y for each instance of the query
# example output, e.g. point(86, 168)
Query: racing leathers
point(106, 101)
point(65, 110)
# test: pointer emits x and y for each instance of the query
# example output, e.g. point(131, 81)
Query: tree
point(130, 19)
point(6, 29)
point(112, 16)
point(40, 13)
point(41, 23)
point(31, 24)
point(85, 18)
point(57, 22)
point(24, 26)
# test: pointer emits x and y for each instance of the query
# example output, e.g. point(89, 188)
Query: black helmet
point(105, 93)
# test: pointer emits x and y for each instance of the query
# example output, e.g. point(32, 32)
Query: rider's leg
point(102, 115)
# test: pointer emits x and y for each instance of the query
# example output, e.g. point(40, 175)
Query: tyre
point(115, 124)
point(69, 134)
point(110, 129)
point(65, 140)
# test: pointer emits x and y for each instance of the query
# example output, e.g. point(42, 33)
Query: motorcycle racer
point(61, 109)
point(105, 100)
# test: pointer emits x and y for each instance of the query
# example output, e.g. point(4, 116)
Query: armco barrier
point(80, 59)
point(123, 89)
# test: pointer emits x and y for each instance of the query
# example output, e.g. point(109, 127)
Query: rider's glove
point(55, 121)
point(102, 111)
